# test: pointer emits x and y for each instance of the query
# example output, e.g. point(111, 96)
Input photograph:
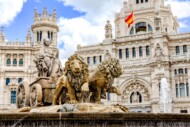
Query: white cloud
point(180, 8)
point(87, 29)
point(9, 10)
point(96, 11)
point(77, 31)
point(183, 24)
point(38, 1)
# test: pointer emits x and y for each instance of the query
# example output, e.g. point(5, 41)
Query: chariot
point(38, 93)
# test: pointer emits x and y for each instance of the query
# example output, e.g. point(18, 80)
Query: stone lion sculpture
point(101, 80)
point(74, 81)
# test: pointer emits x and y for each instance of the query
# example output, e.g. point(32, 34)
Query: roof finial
point(28, 36)
point(45, 12)
point(2, 33)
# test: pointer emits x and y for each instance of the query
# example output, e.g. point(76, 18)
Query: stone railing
point(184, 57)
point(15, 43)
point(134, 37)
point(180, 36)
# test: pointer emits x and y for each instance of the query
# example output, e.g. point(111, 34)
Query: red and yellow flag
point(130, 19)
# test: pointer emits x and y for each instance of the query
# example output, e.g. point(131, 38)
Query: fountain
point(165, 98)
point(81, 96)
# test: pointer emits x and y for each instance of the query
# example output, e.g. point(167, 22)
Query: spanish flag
point(130, 19)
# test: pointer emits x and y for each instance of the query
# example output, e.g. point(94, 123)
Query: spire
point(54, 15)
point(108, 30)
point(35, 14)
point(28, 36)
point(2, 34)
point(45, 13)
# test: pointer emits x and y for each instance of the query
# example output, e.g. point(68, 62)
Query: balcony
point(180, 57)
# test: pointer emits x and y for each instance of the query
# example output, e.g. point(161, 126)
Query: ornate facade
point(149, 50)
point(16, 58)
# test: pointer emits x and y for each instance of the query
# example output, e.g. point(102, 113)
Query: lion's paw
point(85, 87)
point(98, 102)
point(73, 102)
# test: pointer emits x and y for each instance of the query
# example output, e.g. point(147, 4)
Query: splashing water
point(165, 98)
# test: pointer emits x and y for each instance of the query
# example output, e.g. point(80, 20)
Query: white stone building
point(16, 58)
point(151, 49)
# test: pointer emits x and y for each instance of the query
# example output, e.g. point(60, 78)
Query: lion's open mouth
point(77, 73)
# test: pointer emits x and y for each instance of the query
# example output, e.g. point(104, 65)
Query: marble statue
point(101, 80)
point(75, 80)
point(44, 59)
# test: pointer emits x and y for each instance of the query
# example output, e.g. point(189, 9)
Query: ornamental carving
point(134, 88)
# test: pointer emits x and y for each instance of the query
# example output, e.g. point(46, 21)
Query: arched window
point(177, 93)
point(120, 53)
point(187, 89)
point(94, 59)
point(127, 52)
point(19, 80)
point(147, 50)
point(88, 60)
point(184, 49)
point(137, 1)
point(14, 62)
point(142, 1)
point(40, 36)
point(132, 31)
point(182, 90)
point(140, 52)
point(51, 35)
point(141, 27)
point(7, 81)
point(135, 97)
point(175, 72)
point(134, 52)
point(48, 34)
point(13, 97)
point(177, 50)
point(8, 62)
point(180, 71)
point(146, 0)
point(100, 59)
point(149, 28)
point(21, 62)
point(185, 70)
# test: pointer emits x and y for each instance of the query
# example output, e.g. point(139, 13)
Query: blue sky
point(17, 29)
point(80, 21)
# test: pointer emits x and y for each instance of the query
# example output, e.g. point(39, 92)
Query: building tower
point(45, 26)
point(108, 30)
point(2, 35)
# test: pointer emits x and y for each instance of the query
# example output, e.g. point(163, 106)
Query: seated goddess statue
point(45, 59)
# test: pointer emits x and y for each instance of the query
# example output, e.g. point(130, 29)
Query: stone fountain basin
point(93, 119)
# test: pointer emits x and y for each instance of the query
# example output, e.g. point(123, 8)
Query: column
point(11, 59)
point(137, 52)
point(130, 53)
point(185, 89)
point(146, 27)
point(178, 89)
point(17, 60)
